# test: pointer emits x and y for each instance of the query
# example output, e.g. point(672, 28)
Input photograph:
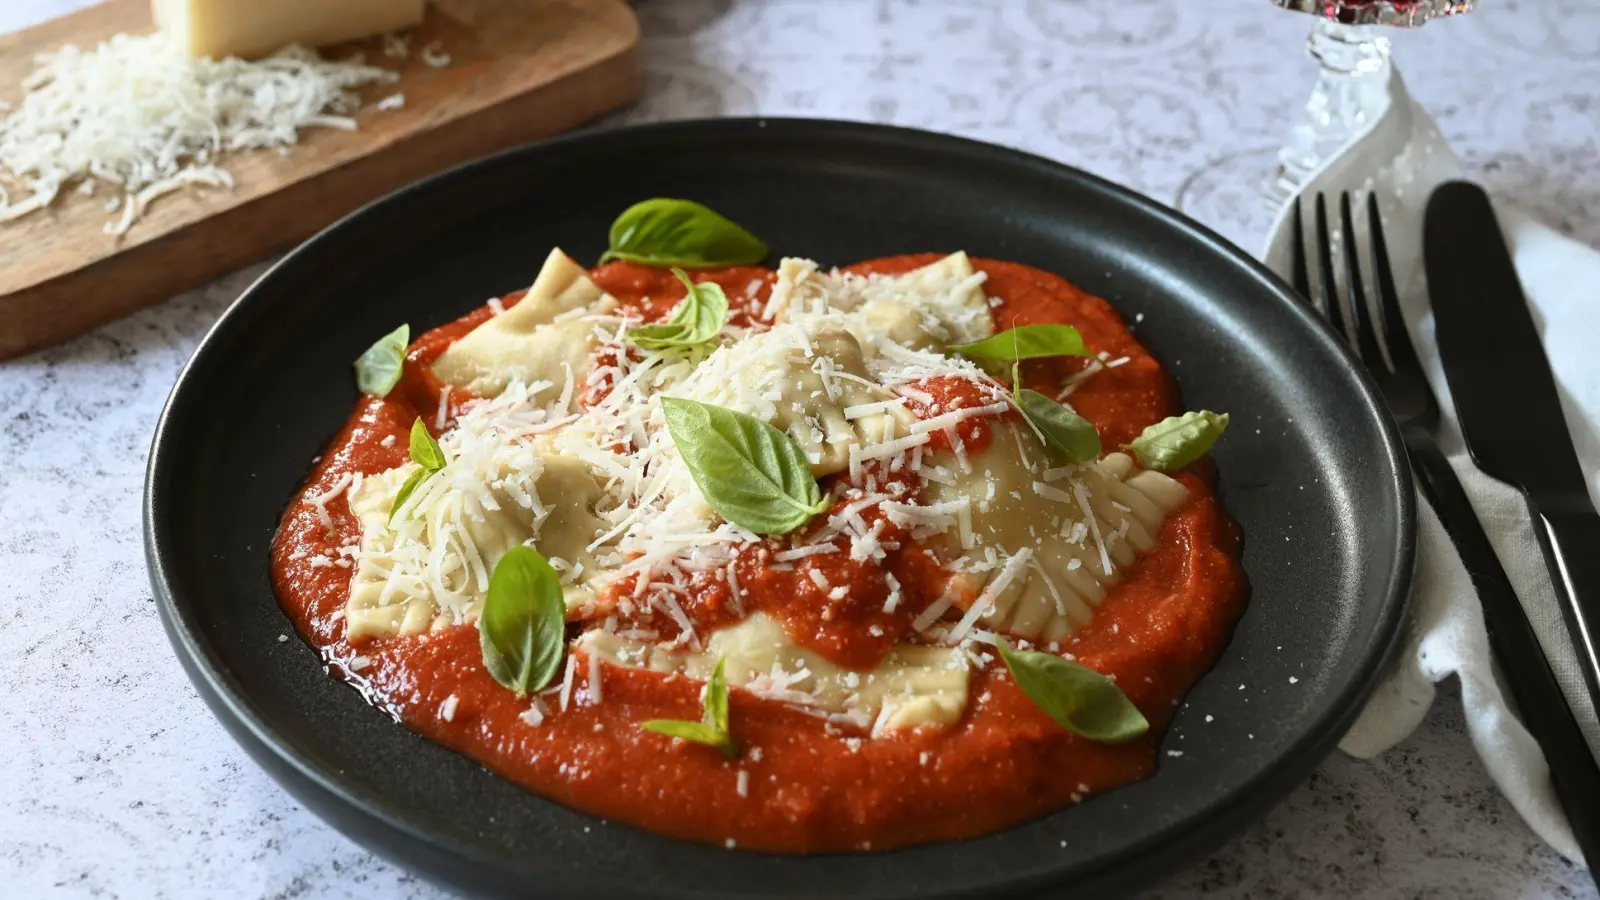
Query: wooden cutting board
point(519, 70)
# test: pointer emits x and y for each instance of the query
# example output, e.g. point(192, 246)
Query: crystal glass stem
point(1351, 93)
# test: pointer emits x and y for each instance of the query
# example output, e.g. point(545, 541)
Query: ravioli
point(544, 338)
point(1065, 534)
point(928, 309)
point(803, 384)
point(430, 567)
point(912, 686)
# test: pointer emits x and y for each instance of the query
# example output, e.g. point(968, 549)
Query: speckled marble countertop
point(116, 780)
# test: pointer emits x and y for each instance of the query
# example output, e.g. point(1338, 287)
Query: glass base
point(1351, 93)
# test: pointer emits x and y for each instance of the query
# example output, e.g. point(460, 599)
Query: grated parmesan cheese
point(137, 114)
point(649, 527)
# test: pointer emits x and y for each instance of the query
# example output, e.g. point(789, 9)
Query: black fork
point(1411, 401)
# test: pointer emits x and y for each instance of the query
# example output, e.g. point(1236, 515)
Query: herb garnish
point(378, 369)
point(1024, 342)
point(752, 474)
point(699, 318)
point(712, 729)
point(1178, 441)
point(666, 232)
point(1077, 697)
point(1067, 436)
point(522, 628)
point(428, 455)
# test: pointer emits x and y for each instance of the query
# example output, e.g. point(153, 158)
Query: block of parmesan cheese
point(248, 28)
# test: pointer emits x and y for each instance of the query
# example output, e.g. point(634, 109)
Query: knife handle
point(1544, 710)
point(1570, 538)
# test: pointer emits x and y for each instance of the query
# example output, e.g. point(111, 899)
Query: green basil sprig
point(712, 729)
point(666, 232)
point(1068, 437)
point(752, 474)
point(523, 626)
point(378, 369)
point(428, 455)
point(699, 318)
point(1077, 697)
point(1024, 342)
point(1178, 441)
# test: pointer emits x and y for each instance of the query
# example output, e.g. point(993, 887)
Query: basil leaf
point(712, 730)
point(523, 626)
point(1078, 698)
point(692, 731)
point(1176, 442)
point(752, 474)
point(699, 318)
point(716, 699)
point(1025, 342)
point(425, 451)
point(406, 490)
point(1068, 437)
point(378, 369)
point(667, 232)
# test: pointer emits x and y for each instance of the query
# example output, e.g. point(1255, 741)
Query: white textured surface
point(118, 783)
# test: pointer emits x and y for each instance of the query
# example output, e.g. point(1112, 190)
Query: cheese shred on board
point(138, 116)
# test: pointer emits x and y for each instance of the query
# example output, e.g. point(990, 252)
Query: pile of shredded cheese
point(140, 116)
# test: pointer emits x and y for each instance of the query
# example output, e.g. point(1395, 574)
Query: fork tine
point(1329, 305)
point(1360, 317)
point(1302, 275)
point(1402, 357)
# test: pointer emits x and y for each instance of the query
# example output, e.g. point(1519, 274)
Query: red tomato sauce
point(811, 786)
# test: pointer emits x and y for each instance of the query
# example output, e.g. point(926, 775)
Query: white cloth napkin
point(1403, 157)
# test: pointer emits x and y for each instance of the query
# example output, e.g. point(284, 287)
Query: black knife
point(1506, 400)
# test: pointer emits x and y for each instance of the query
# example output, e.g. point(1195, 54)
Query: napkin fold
point(1402, 157)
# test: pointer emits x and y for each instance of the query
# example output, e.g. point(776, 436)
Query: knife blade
point(1493, 357)
point(1506, 400)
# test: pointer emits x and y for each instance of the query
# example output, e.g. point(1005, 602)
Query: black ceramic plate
point(1311, 469)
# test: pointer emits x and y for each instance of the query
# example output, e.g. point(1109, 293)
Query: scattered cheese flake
point(435, 57)
point(566, 681)
point(803, 552)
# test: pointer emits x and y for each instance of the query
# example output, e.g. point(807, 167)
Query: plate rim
point(1174, 846)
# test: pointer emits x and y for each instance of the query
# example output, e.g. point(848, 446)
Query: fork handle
point(1545, 712)
point(1570, 538)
